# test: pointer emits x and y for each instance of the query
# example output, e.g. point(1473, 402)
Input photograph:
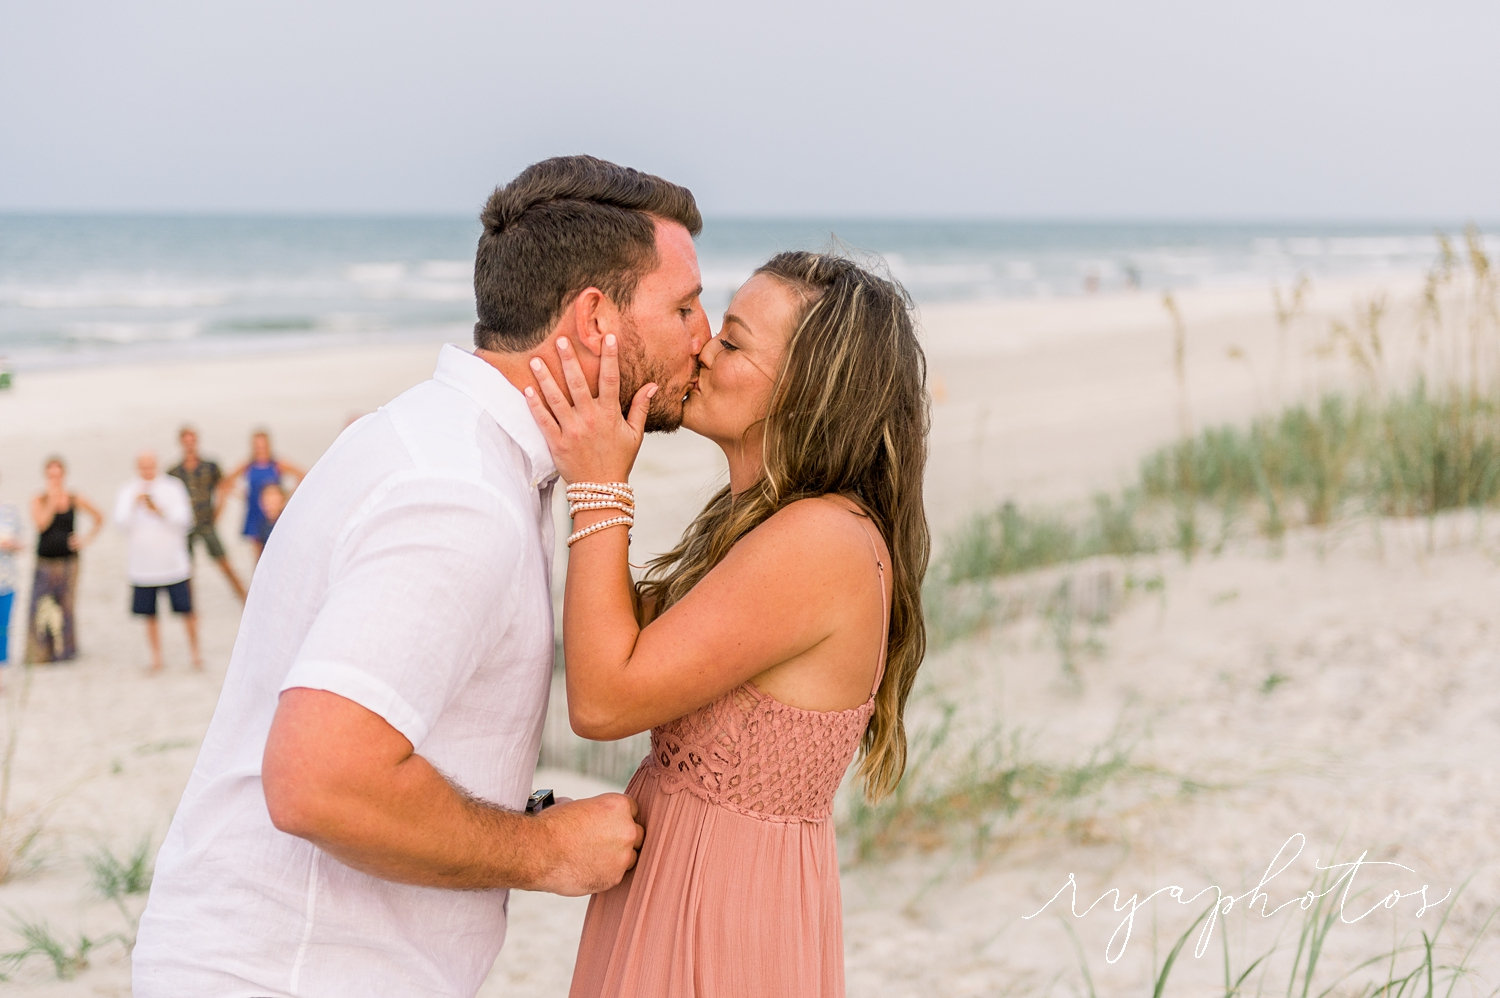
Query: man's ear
point(594, 317)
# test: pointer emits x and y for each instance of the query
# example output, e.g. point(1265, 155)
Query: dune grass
point(1415, 449)
point(114, 878)
point(979, 794)
point(1419, 967)
point(1418, 453)
point(20, 828)
point(68, 957)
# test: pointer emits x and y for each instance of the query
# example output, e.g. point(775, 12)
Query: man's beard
point(664, 410)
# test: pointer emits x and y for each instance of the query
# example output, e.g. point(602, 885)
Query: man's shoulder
point(447, 431)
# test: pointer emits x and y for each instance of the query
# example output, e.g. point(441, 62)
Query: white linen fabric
point(156, 552)
point(409, 573)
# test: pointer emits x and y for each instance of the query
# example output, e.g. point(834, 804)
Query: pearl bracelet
point(574, 508)
point(621, 490)
point(613, 521)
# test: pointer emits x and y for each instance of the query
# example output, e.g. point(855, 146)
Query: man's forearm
point(338, 775)
point(418, 829)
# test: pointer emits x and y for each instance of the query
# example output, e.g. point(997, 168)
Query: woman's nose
point(709, 352)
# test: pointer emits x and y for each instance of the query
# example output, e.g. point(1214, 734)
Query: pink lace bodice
point(756, 755)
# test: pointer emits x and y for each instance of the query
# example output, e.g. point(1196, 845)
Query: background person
point(262, 469)
point(201, 477)
point(156, 514)
point(51, 634)
point(10, 546)
point(272, 502)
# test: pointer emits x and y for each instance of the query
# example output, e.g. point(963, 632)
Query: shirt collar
point(458, 368)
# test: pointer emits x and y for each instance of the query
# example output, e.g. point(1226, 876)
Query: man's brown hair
point(564, 225)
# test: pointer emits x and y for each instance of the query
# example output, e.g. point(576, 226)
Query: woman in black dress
point(50, 636)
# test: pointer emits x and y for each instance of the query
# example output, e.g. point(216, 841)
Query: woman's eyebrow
point(731, 317)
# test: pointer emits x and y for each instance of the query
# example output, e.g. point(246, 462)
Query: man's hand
point(597, 839)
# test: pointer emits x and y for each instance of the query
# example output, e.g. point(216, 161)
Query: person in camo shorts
point(202, 478)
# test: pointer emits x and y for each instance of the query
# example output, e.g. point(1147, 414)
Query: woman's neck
point(745, 464)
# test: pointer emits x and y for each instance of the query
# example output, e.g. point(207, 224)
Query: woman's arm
point(645, 608)
point(41, 512)
point(228, 482)
point(776, 594)
point(287, 468)
point(79, 502)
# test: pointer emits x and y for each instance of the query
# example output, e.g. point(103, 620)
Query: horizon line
point(782, 217)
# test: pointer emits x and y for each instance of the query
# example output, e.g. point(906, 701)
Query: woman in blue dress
point(263, 469)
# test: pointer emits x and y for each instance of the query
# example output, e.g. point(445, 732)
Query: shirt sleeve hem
point(354, 684)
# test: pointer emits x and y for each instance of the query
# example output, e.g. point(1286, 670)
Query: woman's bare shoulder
point(829, 526)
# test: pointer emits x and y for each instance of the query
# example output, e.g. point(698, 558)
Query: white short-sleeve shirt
point(157, 553)
point(410, 573)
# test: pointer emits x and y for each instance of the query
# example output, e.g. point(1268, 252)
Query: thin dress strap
point(885, 610)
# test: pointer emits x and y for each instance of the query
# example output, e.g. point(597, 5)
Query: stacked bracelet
point(584, 496)
point(621, 489)
point(593, 528)
point(574, 508)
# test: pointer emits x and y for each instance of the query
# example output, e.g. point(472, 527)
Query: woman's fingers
point(609, 372)
point(543, 416)
point(585, 432)
point(638, 408)
point(578, 385)
point(562, 412)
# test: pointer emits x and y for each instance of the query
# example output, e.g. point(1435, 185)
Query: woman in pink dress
point(777, 640)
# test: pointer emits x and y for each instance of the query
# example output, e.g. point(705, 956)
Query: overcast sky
point(1208, 109)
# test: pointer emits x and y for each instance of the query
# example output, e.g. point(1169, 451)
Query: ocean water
point(97, 289)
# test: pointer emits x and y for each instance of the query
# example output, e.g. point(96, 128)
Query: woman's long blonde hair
point(848, 415)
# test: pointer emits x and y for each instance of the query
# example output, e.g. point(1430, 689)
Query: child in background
point(272, 502)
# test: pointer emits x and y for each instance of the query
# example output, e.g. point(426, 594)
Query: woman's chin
point(688, 422)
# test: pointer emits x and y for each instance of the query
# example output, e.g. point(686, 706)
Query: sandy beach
point(1333, 694)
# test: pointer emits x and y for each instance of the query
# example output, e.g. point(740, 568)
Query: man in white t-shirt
point(156, 514)
point(355, 814)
